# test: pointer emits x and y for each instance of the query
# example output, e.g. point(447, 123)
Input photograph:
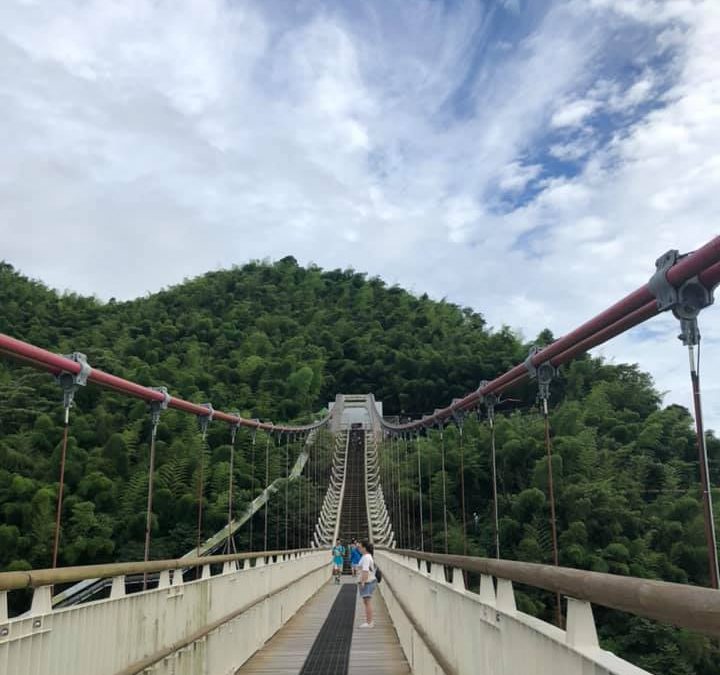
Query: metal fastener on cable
point(458, 415)
point(685, 301)
point(156, 407)
point(71, 381)
point(543, 373)
point(204, 420)
point(488, 400)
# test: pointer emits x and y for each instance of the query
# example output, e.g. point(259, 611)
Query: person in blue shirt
point(338, 553)
point(355, 556)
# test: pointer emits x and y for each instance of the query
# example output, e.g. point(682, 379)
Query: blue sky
point(530, 159)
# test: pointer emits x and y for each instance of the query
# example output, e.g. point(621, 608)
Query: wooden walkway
point(374, 650)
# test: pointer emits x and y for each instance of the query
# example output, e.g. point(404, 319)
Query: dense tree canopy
point(277, 341)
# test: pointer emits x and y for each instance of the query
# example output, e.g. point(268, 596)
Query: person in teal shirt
point(355, 556)
point(338, 554)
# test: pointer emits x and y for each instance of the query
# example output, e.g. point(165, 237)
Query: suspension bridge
point(217, 610)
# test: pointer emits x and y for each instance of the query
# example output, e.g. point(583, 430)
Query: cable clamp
point(488, 400)
point(235, 426)
point(71, 381)
point(204, 420)
point(662, 290)
point(156, 407)
point(458, 415)
point(686, 301)
point(543, 373)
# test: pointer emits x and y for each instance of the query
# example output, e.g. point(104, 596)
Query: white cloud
point(462, 215)
point(636, 94)
point(576, 149)
point(574, 113)
point(515, 176)
point(511, 5)
point(150, 140)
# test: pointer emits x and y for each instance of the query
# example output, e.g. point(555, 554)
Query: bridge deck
point(375, 650)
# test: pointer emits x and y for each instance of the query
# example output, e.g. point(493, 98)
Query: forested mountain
point(278, 341)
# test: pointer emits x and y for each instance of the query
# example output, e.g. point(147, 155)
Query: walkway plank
point(286, 651)
point(374, 650)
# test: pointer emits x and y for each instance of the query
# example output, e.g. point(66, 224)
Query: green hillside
point(278, 341)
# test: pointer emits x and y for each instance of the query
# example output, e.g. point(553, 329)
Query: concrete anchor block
point(164, 579)
point(206, 572)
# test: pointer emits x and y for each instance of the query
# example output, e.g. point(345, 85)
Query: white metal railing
point(211, 625)
point(381, 532)
point(444, 628)
point(341, 494)
point(328, 521)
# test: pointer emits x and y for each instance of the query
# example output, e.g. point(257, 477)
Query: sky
point(528, 158)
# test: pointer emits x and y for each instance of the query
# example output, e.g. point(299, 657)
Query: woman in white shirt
point(367, 581)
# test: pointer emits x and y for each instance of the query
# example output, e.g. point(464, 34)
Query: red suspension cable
point(56, 364)
point(632, 310)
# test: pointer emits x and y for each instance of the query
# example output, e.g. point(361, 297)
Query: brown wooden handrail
point(681, 605)
point(62, 575)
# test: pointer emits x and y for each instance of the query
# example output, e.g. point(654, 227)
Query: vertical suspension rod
point(398, 510)
point(444, 485)
point(462, 485)
point(155, 408)
point(230, 541)
point(420, 493)
point(430, 493)
point(61, 487)
point(251, 543)
point(408, 510)
point(496, 525)
point(267, 493)
point(551, 495)
point(709, 519)
point(287, 485)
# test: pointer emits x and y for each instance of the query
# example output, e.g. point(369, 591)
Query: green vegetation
point(627, 498)
point(277, 341)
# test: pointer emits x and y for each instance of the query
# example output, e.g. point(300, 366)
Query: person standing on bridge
point(355, 556)
point(338, 554)
point(367, 581)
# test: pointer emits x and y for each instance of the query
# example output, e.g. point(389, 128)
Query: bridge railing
point(443, 625)
point(211, 624)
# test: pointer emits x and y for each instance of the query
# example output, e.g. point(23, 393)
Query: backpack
point(378, 575)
